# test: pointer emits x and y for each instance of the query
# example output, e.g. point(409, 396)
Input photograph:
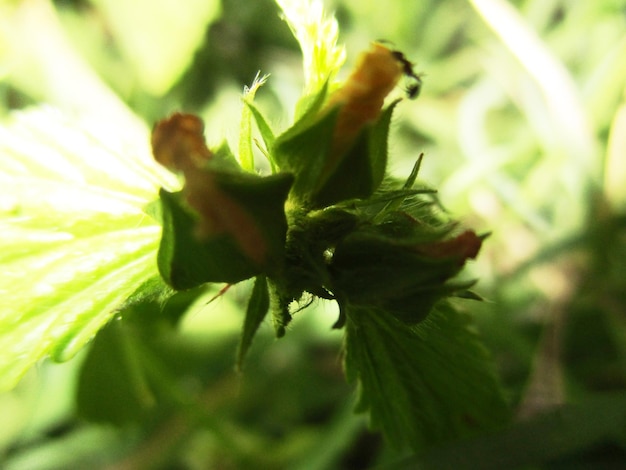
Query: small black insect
point(413, 89)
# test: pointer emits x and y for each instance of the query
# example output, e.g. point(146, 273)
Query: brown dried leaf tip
point(178, 144)
point(462, 247)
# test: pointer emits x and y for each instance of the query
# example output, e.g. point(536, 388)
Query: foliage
point(324, 225)
point(76, 240)
point(519, 118)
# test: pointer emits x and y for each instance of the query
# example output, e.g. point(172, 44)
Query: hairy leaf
point(422, 384)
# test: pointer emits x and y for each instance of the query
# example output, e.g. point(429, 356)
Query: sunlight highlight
point(317, 35)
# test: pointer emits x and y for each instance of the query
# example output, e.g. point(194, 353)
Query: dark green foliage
point(390, 274)
point(381, 249)
point(422, 384)
point(534, 156)
point(584, 435)
point(361, 169)
point(304, 153)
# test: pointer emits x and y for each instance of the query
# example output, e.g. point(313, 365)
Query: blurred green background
point(522, 119)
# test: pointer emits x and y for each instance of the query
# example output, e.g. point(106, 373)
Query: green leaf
point(395, 273)
point(422, 384)
point(362, 169)
point(258, 306)
point(75, 241)
point(246, 155)
point(266, 133)
point(264, 128)
point(136, 364)
point(303, 150)
point(158, 39)
point(113, 386)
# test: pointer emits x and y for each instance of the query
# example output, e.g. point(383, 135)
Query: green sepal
point(185, 261)
point(264, 199)
point(309, 106)
point(392, 274)
point(396, 203)
point(223, 159)
point(423, 384)
point(265, 130)
point(469, 295)
point(350, 179)
point(378, 145)
point(279, 307)
point(303, 150)
point(258, 306)
point(362, 168)
point(312, 235)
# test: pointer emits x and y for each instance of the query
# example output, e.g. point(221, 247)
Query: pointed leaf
point(304, 152)
point(258, 306)
point(378, 145)
point(422, 384)
point(264, 128)
point(266, 134)
point(246, 155)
